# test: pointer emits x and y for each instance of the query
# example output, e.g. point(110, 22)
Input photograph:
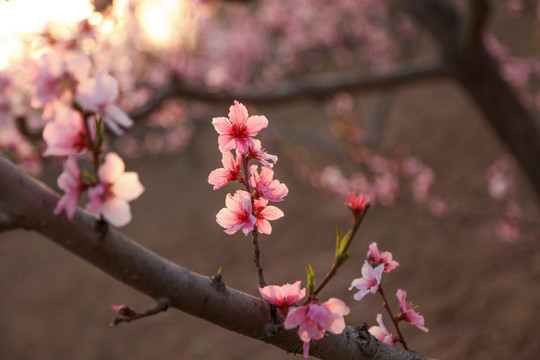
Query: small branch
point(257, 256)
point(318, 87)
point(475, 28)
point(394, 321)
point(162, 306)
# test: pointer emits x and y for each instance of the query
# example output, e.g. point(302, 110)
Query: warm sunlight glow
point(23, 17)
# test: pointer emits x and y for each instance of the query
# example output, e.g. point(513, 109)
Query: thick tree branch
point(473, 36)
point(201, 296)
point(315, 87)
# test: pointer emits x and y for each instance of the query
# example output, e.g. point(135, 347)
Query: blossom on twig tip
point(263, 213)
point(267, 188)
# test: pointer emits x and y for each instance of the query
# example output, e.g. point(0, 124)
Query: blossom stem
point(339, 261)
point(257, 255)
point(394, 320)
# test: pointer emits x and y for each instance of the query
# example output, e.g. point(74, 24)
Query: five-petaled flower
point(267, 188)
point(238, 214)
point(375, 257)
point(263, 213)
point(408, 313)
point(283, 296)
point(231, 171)
point(369, 282)
point(381, 332)
point(115, 189)
point(235, 132)
point(314, 320)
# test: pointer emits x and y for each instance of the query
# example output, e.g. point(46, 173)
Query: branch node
point(217, 281)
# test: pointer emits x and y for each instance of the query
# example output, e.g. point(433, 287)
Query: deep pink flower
point(408, 313)
point(369, 282)
point(381, 332)
point(97, 94)
point(357, 202)
point(314, 320)
point(70, 182)
point(235, 132)
point(256, 152)
point(115, 189)
point(266, 186)
point(66, 134)
point(231, 171)
point(377, 258)
point(238, 213)
point(283, 296)
point(263, 213)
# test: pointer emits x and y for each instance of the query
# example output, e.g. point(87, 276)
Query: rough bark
point(31, 204)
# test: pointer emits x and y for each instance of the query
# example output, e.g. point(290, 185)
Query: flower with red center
point(70, 182)
point(97, 94)
point(231, 171)
point(283, 296)
point(314, 320)
point(357, 203)
point(381, 332)
point(375, 258)
point(256, 152)
point(263, 213)
point(115, 189)
point(369, 282)
point(266, 186)
point(235, 132)
point(408, 313)
point(66, 134)
point(238, 213)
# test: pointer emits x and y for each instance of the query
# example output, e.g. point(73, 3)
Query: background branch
point(158, 278)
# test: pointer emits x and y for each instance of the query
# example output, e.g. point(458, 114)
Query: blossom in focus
point(70, 182)
point(357, 202)
point(381, 332)
point(314, 320)
point(408, 313)
point(66, 134)
point(377, 258)
point(369, 282)
point(283, 296)
point(238, 213)
point(263, 213)
point(97, 94)
point(266, 186)
point(115, 189)
point(255, 151)
point(231, 171)
point(235, 132)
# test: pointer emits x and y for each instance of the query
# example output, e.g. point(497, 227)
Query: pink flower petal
point(111, 169)
point(128, 187)
point(116, 212)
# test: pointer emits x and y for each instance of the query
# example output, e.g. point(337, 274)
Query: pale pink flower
point(256, 152)
point(66, 134)
point(235, 132)
point(314, 320)
point(238, 213)
point(231, 171)
point(70, 182)
point(97, 94)
point(408, 313)
point(357, 202)
point(381, 332)
point(283, 296)
point(266, 186)
point(263, 213)
point(369, 282)
point(375, 257)
point(115, 189)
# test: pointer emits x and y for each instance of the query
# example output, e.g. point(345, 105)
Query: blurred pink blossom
point(238, 214)
point(369, 282)
point(231, 171)
point(381, 332)
point(70, 182)
point(256, 152)
point(263, 213)
point(375, 258)
point(66, 134)
point(266, 186)
point(283, 296)
point(115, 189)
point(408, 313)
point(314, 320)
point(234, 132)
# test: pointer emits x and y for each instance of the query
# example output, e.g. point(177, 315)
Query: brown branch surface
point(158, 278)
point(318, 88)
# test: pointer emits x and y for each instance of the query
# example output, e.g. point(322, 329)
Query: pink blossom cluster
point(247, 209)
point(78, 102)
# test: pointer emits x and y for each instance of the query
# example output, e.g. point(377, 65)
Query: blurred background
point(468, 258)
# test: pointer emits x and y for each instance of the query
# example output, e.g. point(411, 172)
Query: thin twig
point(162, 305)
point(394, 321)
